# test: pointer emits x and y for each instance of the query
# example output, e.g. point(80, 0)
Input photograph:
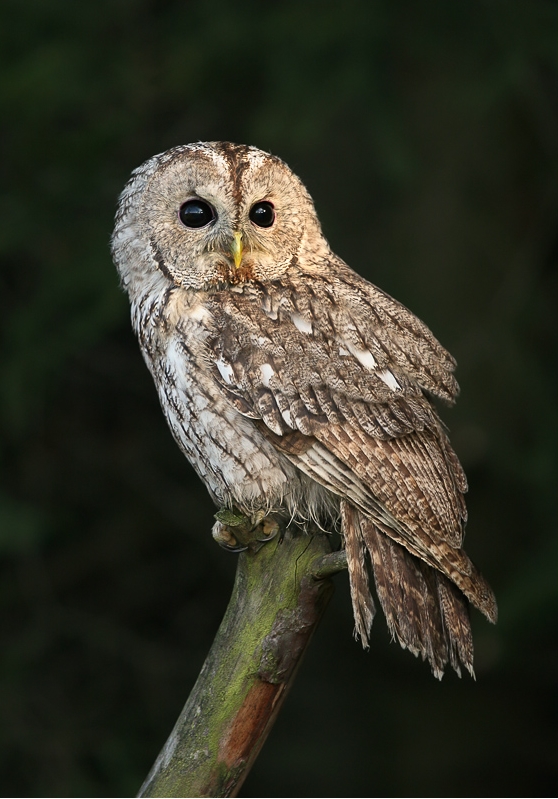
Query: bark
point(280, 593)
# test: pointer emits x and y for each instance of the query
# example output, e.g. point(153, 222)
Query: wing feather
point(352, 377)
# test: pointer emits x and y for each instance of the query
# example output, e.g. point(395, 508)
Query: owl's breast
point(237, 463)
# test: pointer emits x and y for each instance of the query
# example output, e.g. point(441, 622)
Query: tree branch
point(280, 593)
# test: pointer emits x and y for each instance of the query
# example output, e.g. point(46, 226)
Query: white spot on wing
point(389, 379)
point(364, 356)
point(226, 370)
point(302, 324)
point(267, 373)
point(286, 414)
point(343, 351)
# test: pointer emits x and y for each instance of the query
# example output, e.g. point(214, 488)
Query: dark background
point(427, 134)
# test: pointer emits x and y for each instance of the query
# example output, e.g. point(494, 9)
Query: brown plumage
point(295, 387)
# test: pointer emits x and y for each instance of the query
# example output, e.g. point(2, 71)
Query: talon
point(226, 539)
point(236, 549)
point(235, 532)
point(269, 528)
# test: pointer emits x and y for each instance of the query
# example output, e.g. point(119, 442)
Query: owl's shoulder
point(336, 312)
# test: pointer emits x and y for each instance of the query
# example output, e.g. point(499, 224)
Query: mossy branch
point(280, 593)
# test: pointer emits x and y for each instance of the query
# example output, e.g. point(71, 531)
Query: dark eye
point(262, 214)
point(196, 213)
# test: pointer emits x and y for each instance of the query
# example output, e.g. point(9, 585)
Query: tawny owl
point(298, 389)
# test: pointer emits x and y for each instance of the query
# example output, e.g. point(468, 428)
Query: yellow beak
point(237, 249)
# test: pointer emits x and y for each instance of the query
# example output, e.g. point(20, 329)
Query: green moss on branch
point(276, 604)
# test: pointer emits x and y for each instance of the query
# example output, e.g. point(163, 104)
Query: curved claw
point(222, 534)
point(269, 528)
point(236, 533)
point(230, 548)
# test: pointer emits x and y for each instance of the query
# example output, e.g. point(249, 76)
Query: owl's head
point(208, 215)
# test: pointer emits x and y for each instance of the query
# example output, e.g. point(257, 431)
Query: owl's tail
point(424, 610)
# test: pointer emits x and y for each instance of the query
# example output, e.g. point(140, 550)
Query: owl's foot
point(224, 537)
point(235, 532)
point(268, 527)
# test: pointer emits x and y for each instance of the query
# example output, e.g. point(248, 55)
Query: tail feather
point(361, 598)
point(457, 625)
point(424, 610)
point(410, 605)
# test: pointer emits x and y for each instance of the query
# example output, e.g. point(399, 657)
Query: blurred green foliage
point(427, 134)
